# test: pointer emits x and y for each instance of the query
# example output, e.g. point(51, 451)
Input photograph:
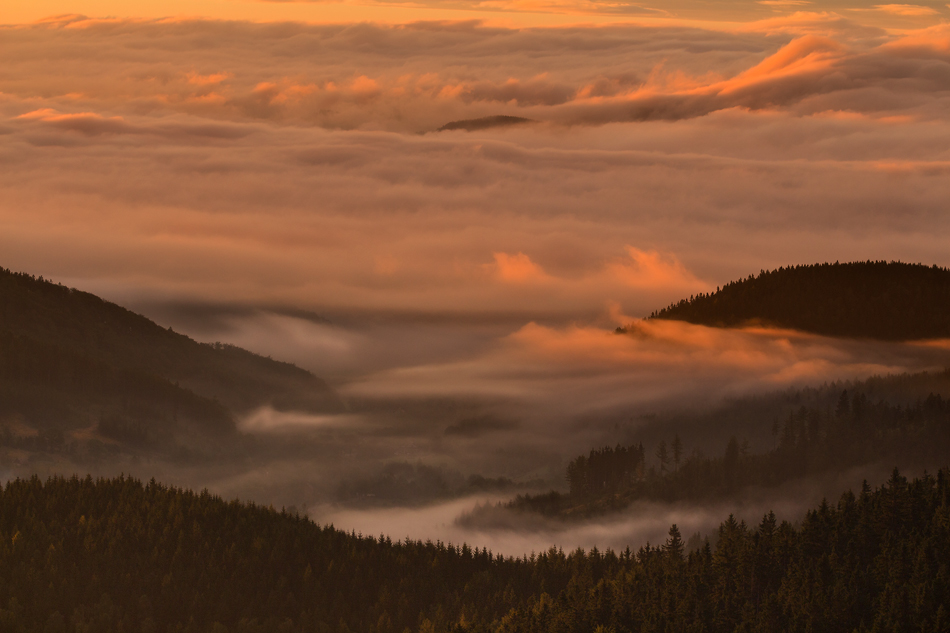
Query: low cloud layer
point(279, 164)
point(475, 520)
point(282, 186)
point(562, 374)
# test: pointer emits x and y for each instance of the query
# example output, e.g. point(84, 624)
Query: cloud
point(784, 3)
point(535, 91)
point(206, 80)
point(698, 156)
point(235, 179)
point(751, 68)
point(476, 520)
point(517, 269)
point(929, 42)
point(652, 270)
point(804, 67)
point(802, 55)
point(269, 420)
point(88, 123)
point(560, 374)
point(913, 10)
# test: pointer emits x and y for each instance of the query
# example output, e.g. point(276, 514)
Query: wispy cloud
point(89, 123)
point(914, 10)
point(286, 169)
point(784, 3)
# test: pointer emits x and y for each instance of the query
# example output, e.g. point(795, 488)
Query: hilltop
point(890, 301)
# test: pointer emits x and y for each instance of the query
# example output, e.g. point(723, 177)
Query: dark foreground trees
point(116, 555)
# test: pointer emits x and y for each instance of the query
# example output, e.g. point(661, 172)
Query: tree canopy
point(877, 300)
point(82, 555)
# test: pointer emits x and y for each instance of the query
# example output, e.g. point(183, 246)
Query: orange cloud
point(804, 54)
point(784, 78)
point(364, 86)
point(206, 80)
point(929, 40)
point(800, 22)
point(43, 114)
point(517, 268)
point(575, 368)
point(650, 269)
point(89, 123)
point(914, 10)
point(211, 98)
point(616, 314)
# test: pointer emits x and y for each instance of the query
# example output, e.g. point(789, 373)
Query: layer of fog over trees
point(440, 423)
point(284, 188)
point(418, 464)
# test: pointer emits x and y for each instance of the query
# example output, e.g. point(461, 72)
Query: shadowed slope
point(69, 359)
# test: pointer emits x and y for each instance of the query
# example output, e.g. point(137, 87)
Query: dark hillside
point(879, 300)
point(69, 359)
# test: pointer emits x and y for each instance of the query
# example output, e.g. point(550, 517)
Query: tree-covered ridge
point(60, 389)
point(68, 359)
point(873, 562)
point(879, 300)
point(812, 441)
point(114, 555)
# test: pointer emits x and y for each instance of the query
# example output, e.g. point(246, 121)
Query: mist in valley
point(292, 188)
point(443, 423)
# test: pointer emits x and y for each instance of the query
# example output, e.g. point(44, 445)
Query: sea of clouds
point(284, 187)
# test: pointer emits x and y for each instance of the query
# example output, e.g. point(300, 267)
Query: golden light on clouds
point(518, 269)
point(913, 10)
point(300, 163)
point(461, 199)
point(496, 12)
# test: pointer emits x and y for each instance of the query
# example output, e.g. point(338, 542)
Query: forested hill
point(80, 555)
point(813, 435)
point(878, 300)
point(70, 359)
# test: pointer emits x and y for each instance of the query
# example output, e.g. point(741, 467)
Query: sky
point(274, 175)
point(298, 164)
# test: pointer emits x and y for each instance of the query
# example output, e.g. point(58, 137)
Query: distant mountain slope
point(879, 300)
point(770, 440)
point(68, 358)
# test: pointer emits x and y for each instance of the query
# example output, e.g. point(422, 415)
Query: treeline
point(116, 555)
point(879, 300)
point(607, 470)
point(812, 441)
point(78, 555)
